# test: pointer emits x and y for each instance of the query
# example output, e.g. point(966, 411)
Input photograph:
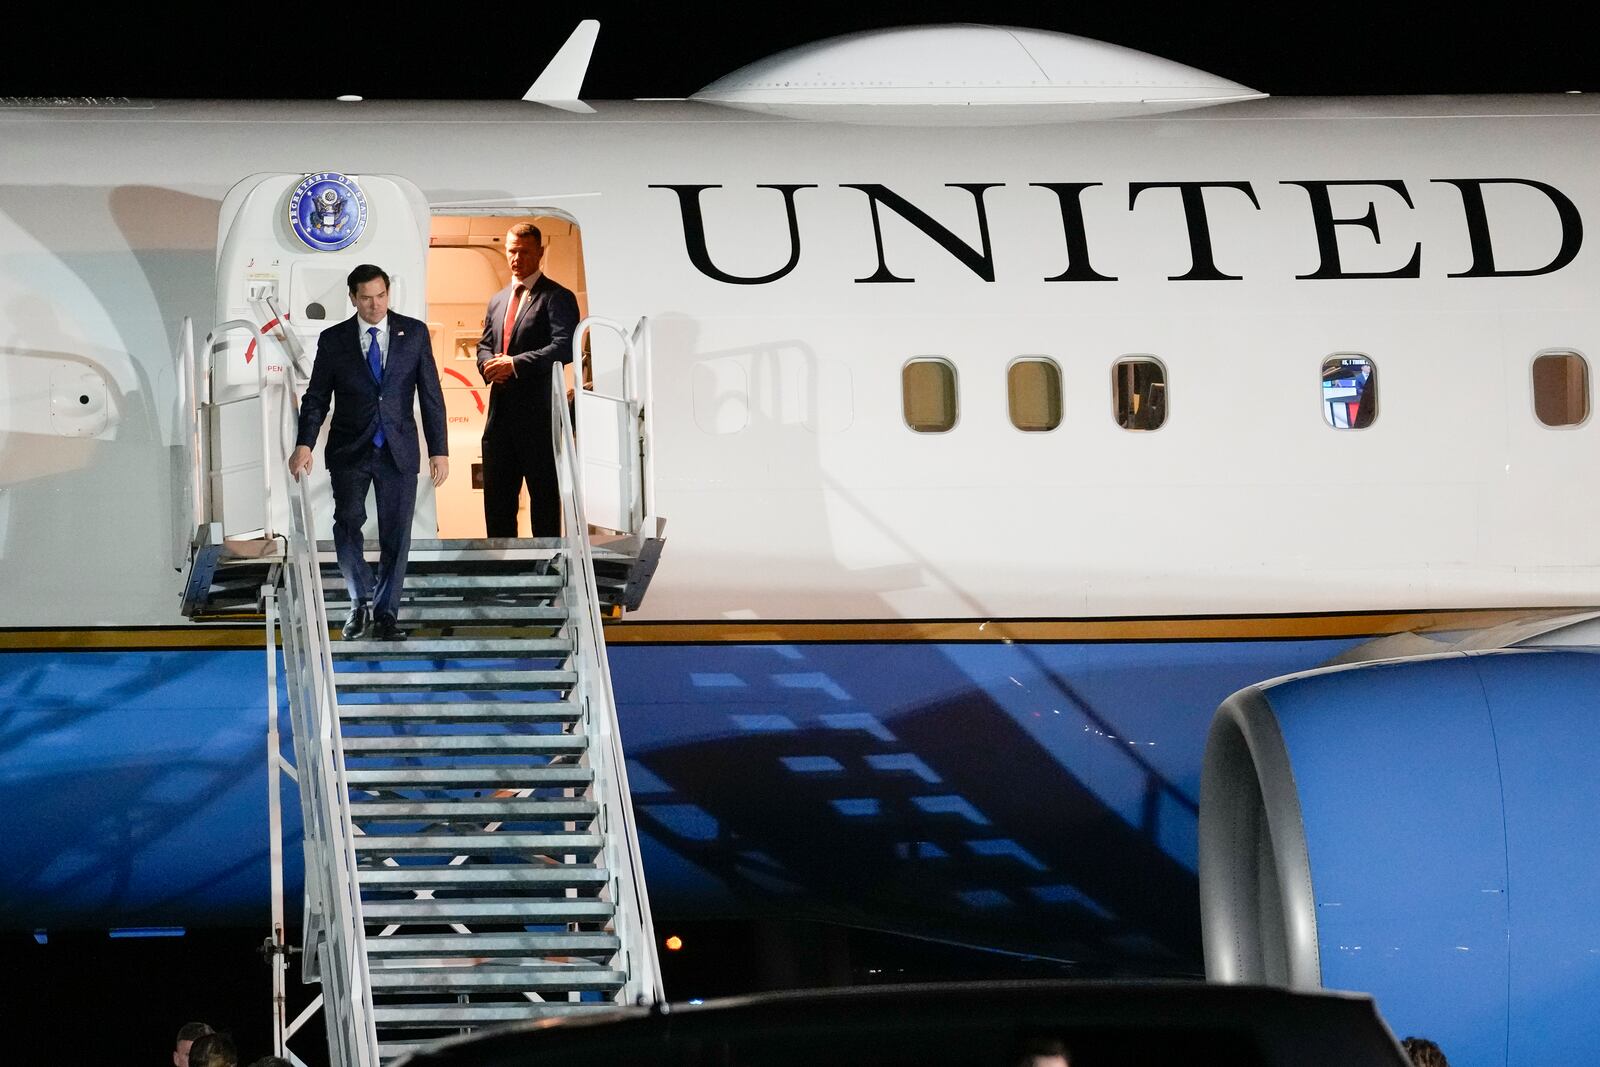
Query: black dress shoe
point(356, 623)
point(385, 628)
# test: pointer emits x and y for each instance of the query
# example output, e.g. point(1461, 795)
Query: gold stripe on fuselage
point(1172, 628)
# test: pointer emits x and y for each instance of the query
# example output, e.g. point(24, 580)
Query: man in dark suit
point(371, 366)
point(527, 334)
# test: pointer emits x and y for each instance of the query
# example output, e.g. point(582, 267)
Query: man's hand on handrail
point(300, 462)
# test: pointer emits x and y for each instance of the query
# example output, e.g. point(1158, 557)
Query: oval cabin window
point(928, 393)
point(1349, 391)
point(1033, 393)
point(1560, 388)
point(1139, 393)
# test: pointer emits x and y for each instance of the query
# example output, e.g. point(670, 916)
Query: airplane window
point(1139, 393)
point(1349, 391)
point(928, 387)
point(1560, 388)
point(1033, 391)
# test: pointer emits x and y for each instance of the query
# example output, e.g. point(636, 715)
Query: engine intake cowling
point(1423, 830)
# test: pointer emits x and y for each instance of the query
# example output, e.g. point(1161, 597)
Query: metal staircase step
point(454, 550)
point(495, 910)
point(450, 681)
point(459, 876)
point(339, 604)
point(441, 1015)
point(497, 977)
point(389, 1051)
point(477, 844)
point(476, 745)
point(445, 946)
point(508, 809)
point(468, 777)
point(334, 586)
point(455, 648)
point(483, 613)
point(505, 711)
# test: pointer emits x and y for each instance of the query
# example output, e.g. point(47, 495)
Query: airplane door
point(285, 244)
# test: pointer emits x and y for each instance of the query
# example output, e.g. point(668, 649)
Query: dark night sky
point(668, 49)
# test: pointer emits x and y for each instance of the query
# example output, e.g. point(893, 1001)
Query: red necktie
point(511, 318)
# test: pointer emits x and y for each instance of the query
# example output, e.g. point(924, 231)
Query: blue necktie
point(375, 361)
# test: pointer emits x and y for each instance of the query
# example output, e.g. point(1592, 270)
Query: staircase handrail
point(650, 525)
point(277, 319)
point(629, 393)
point(635, 381)
point(192, 429)
point(332, 884)
point(644, 966)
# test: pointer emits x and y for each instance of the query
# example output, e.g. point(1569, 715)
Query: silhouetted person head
point(213, 1050)
point(1424, 1053)
point(270, 1061)
point(187, 1033)
point(1042, 1052)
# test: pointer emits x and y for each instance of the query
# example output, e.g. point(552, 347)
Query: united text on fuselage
point(1324, 222)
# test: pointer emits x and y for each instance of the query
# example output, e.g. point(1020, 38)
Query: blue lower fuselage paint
point(1029, 797)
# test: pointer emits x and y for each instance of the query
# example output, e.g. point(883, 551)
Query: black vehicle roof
point(1148, 1024)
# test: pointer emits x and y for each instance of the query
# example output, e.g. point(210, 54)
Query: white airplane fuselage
point(1441, 239)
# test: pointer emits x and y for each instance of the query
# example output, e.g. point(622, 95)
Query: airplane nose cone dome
point(966, 75)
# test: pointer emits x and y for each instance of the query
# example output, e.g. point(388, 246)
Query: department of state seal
point(327, 211)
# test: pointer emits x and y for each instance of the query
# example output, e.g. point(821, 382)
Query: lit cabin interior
point(466, 266)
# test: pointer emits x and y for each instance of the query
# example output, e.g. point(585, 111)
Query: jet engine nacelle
point(1422, 830)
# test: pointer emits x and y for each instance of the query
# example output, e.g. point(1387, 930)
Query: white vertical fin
point(558, 85)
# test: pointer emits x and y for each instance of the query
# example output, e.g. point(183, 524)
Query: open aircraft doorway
point(466, 266)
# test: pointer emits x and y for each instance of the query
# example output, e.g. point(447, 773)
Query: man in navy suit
point(371, 366)
point(527, 334)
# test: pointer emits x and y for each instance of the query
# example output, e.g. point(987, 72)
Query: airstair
point(471, 856)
